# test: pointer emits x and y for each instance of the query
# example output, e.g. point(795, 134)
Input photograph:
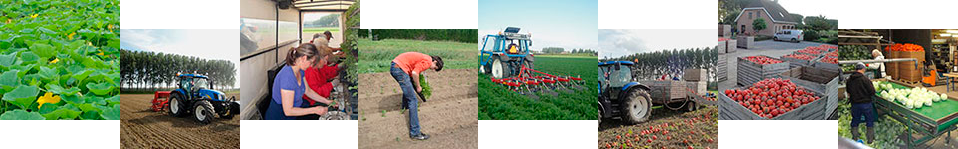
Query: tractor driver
point(405, 69)
point(289, 86)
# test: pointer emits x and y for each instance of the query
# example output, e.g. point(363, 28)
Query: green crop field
point(375, 56)
point(496, 102)
point(320, 29)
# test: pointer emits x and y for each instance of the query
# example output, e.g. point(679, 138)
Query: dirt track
point(143, 128)
point(449, 116)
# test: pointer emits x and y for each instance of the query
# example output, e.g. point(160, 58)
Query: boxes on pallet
point(749, 72)
point(694, 75)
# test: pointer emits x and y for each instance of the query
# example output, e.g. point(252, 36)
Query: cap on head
point(328, 34)
point(859, 66)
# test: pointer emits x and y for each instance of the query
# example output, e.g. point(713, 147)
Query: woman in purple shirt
point(289, 86)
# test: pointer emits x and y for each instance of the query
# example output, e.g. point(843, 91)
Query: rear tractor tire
point(500, 69)
point(176, 106)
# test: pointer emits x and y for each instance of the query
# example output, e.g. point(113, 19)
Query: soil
point(449, 116)
point(696, 127)
point(143, 128)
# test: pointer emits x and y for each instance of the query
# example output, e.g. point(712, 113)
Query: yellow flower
point(110, 27)
point(55, 60)
point(34, 15)
point(89, 43)
point(8, 21)
point(71, 35)
point(101, 53)
point(48, 98)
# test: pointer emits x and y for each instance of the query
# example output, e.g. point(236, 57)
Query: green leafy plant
point(59, 60)
point(426, 89)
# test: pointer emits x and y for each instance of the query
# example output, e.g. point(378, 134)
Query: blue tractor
point(195, 95)
point(505, 53)
point(619, 96)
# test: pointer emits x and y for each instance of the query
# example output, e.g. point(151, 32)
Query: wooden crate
point(731, 110)
point(749, 73)
point(695, 75)
point(825, 66)
point(721, 70)
point(699, 87)
point(794, 62)
point(665, 90)
point(824, 81)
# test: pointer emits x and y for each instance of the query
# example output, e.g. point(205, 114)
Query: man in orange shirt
point(405, 69)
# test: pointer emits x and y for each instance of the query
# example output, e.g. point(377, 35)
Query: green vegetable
point(426, 89)
point(65, 52)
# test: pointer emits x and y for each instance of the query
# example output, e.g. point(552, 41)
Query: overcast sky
point(212, 44)
point(814, 8)
point(553, 23)
point(616, 43)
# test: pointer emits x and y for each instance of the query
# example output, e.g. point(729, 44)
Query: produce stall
point(930, 120)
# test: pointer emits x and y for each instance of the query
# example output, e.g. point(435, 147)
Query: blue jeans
point(410, 99)
point(865, 110)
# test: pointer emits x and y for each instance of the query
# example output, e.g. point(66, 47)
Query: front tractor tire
point(500, 69)
point(203, 111)
point(638, 106)
point(176, 106)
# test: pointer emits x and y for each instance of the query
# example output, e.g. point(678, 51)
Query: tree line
point(652, 65)
point(147, 70)
point(557, 50)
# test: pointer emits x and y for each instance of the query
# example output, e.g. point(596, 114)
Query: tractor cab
point(198, 86)
point(615, 77)
point(504, 53)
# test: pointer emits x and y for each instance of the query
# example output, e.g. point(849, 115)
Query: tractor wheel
point(203, 111)
point(600, 117)
point(530, 65)
point(176, 105)
point(691, 106)
point(638, 107)
point(500, 69)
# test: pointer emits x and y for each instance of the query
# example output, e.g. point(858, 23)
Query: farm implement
point(530, 81)
point(506, 56)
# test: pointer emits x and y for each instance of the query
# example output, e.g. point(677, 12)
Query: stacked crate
point(721, 70)
point(749, 72)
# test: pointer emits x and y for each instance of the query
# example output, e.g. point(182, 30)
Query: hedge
point(460, 35)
